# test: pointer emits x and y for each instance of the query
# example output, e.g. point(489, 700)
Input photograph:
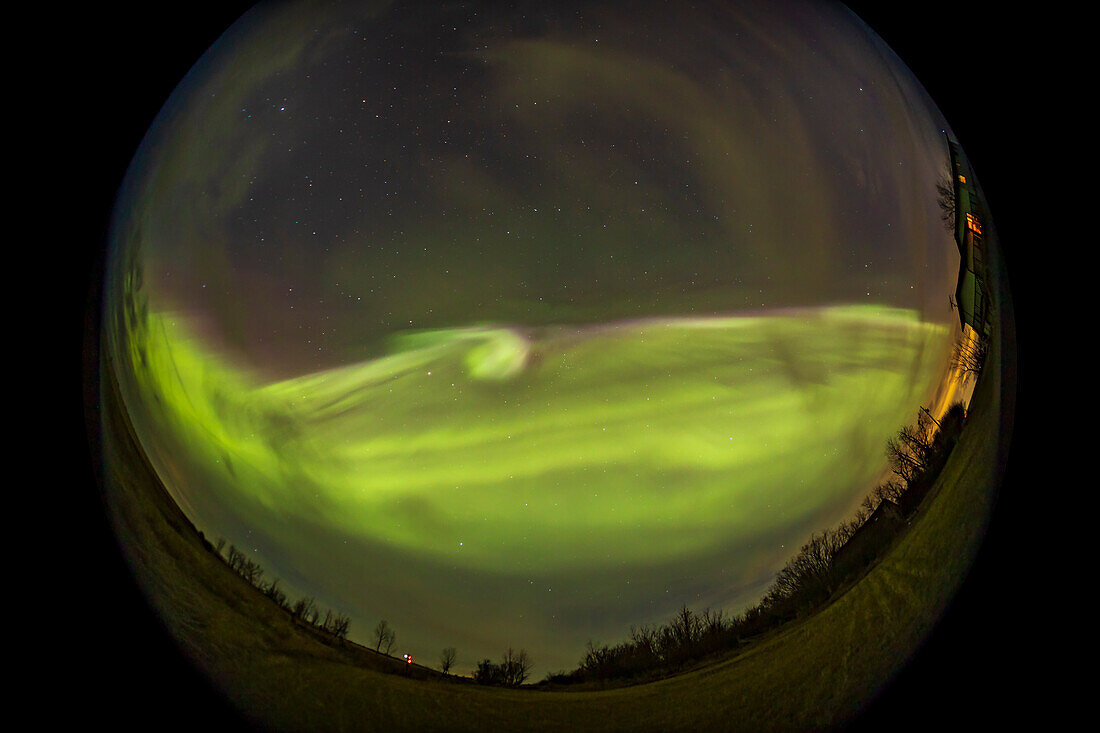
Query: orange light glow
point(957, 386)
point(974, 223)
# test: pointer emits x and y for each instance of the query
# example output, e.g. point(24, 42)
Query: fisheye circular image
point(557, 366)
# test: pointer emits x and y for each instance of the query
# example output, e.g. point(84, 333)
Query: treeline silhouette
point(512, 671)
point(827, 563)
point(304, 610)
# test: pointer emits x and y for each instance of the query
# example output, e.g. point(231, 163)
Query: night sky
point(518, 326)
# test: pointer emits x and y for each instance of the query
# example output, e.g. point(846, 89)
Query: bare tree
point(851, 525)
point(385, 638)
point(515, 667)
point(342, 629)
point(337, 624)
point(686, 627)
point(911, 450)
point(235, 558)
point(904, 465)
point(968, 356)
point(447, 659)
point(304, 608)
point(890, 490)
point(253, 573)
point(713, 622)
point(810, 571)
point(245, 567)
point(644, 638)
point(275, 593)
point(945, 197)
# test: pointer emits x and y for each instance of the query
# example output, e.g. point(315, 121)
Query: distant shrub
point(303, 608)
point(488, 673)
point(561, 677)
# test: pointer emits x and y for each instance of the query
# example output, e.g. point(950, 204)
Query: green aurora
point(572, 450)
